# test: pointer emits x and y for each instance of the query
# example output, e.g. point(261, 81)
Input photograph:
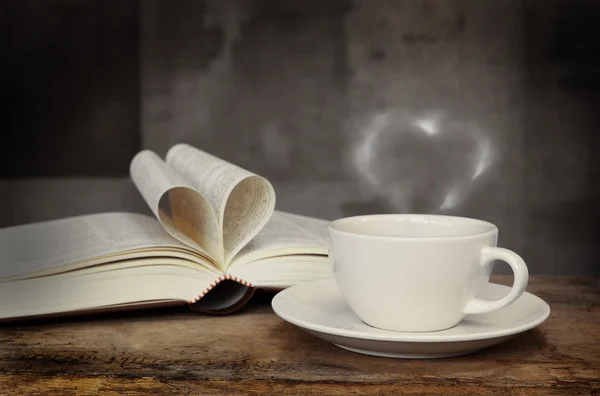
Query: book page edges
point(148, 305)
point(234, 305)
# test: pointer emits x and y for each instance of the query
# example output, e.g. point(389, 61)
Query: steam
point(425, 163)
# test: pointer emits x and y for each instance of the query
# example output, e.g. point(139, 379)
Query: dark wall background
point(72, 79)
point(478, 108)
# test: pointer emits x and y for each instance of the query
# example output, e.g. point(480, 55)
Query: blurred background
point(486, 109)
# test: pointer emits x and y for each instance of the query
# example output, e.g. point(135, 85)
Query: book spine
point(216, 282)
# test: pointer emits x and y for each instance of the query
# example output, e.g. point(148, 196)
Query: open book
point(215, 237)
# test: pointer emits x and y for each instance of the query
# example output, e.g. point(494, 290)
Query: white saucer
point(319, 308)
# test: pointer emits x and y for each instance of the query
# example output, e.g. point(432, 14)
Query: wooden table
point(254, 352)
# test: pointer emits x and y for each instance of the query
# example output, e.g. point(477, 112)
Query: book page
point(48, 246)
point(75, 292)
point(283, 271)
point(242, 201)
point(289, 234)
point(182, 210)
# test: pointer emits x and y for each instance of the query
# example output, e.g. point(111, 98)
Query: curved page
point(182, 210)
point(242, 201)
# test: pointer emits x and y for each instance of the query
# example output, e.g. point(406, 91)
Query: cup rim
point(493, 229)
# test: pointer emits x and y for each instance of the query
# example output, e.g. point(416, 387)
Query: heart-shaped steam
point(422, 164)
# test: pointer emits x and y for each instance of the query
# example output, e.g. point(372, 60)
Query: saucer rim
point(426, 337)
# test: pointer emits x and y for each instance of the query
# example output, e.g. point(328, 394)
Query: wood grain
point(174, 351)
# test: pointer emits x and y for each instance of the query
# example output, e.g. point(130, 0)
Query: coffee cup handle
point(521, 277)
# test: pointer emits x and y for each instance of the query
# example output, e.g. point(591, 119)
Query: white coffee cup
point(415, 273)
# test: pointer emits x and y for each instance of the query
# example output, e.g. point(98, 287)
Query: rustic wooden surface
point(254, 352)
